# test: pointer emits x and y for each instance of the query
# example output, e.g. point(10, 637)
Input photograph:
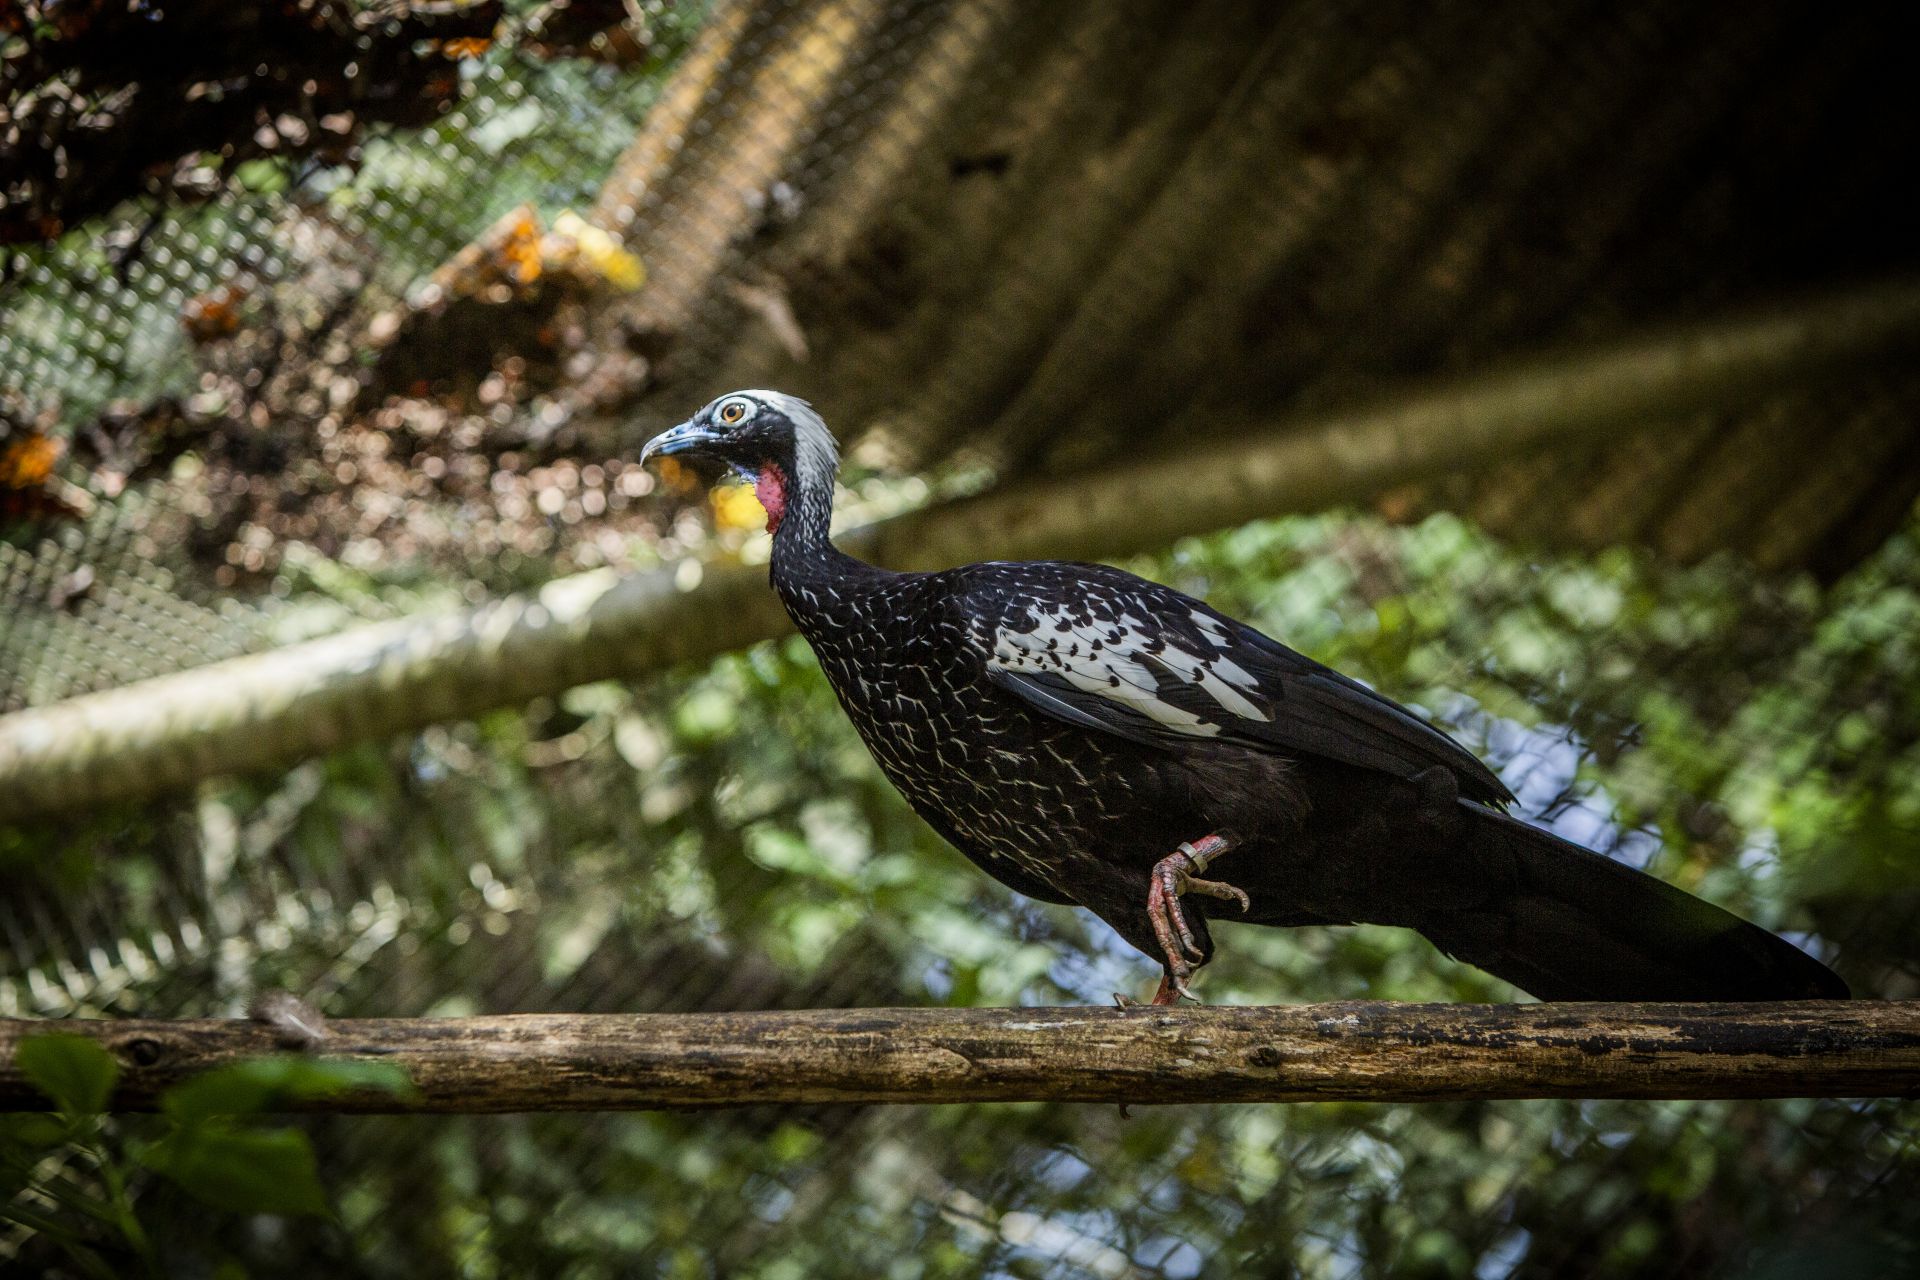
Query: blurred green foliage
point(719, 839)
point(65, 1175)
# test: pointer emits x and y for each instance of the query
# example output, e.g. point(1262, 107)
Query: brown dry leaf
point(27, 462)
point(519, 250)
point(505, 254)
point(467, 47)
point(214, 314)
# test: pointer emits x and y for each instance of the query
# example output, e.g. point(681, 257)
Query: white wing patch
point(1214, 629)
point(1122, 660)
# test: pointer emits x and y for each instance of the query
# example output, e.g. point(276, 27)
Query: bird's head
point(774, 440)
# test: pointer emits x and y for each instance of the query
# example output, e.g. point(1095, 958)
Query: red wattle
point(771, 489)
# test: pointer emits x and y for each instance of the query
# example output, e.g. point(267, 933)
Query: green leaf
point(262, 177)
point(32, 1131)
point(260, 1083)
point(241, 1170)
point(72, 1070)
point(25, 1137)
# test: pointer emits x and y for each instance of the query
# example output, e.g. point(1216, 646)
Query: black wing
point(1114, 653)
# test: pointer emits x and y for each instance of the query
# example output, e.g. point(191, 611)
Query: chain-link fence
point(376, 360)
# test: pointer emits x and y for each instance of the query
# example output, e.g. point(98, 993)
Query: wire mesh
point(997, 240)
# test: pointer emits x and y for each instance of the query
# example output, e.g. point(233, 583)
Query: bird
point(1092, 738)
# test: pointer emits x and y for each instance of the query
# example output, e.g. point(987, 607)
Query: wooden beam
point(1366, 1052)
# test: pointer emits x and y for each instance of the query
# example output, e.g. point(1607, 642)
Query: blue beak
point(688, 437)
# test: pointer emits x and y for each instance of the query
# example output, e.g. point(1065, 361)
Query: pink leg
point(1173, 875)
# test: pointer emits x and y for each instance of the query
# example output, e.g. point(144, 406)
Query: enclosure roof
point(1051, 238)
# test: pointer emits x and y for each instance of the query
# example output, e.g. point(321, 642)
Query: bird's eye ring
point(733, 412)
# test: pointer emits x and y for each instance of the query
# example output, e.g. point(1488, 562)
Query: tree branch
point(1371, 1052)
point(268, 710)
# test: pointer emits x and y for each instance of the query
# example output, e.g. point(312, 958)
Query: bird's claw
point(1217, 889)
point(1173, 876)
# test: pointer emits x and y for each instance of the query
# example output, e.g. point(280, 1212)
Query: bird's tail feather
point(1579, 926)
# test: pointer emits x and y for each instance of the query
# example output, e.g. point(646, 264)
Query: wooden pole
point(1367, 1052)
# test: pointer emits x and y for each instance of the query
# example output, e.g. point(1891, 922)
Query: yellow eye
point(732, 411)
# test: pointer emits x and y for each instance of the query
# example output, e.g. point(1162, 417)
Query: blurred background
point(321, 314)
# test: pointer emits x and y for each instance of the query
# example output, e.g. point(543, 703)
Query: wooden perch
point(268, 710)
point(1365, 1052)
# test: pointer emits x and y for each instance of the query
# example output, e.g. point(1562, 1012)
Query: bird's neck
point(800, 513)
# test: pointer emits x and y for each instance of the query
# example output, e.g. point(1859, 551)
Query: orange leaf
point(521, 250)
point(213, 315)
point(27, 462)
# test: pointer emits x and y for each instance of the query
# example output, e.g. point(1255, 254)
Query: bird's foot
point(1166, 994)
point(1171, 990)
point(1174, 875)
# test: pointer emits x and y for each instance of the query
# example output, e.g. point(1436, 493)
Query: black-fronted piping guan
point(1087, 736)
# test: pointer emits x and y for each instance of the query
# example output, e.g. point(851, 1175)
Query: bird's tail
point(1574, 925)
